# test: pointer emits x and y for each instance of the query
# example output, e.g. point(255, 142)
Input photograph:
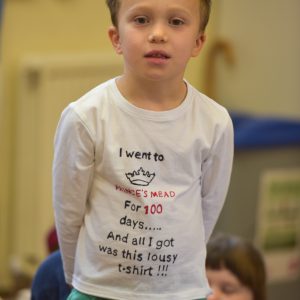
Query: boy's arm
point(216, 172)
point(72, 174)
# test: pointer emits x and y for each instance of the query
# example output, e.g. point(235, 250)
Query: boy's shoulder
point(95, 95)
point(91, 107)
point(208, 106)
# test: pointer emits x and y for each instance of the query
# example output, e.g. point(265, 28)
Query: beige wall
point(37, 27)
point(265, 39)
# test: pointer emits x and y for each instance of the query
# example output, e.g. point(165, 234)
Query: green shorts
point(76, 295)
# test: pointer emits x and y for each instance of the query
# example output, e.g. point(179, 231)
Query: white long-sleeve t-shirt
point(137, 193)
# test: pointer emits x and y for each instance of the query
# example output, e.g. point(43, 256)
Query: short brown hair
point(240, 257)
point(205, 7)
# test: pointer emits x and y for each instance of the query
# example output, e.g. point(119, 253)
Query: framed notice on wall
point(278, 230)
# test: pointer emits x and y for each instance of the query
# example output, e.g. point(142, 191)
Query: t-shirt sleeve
point(216, 172)
point(73, 167)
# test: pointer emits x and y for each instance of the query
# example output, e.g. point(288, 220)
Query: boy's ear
point(201, 38)
point(114, 36)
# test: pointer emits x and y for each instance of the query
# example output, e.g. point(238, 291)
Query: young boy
point(142, 163)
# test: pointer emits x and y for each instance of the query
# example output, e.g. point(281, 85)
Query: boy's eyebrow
point(172, 9)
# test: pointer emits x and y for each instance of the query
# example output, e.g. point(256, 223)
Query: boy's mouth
point(157, 54)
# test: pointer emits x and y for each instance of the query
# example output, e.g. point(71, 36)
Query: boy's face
point(157, 37)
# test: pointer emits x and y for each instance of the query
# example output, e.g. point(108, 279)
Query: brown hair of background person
point(242, 259)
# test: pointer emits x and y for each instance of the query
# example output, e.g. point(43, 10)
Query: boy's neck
point(152, 95)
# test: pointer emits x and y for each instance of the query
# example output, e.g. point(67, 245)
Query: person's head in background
point(235, 269)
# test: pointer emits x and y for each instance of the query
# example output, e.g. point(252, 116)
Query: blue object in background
point(264, 132)
point(1, 11)
point(49, 281)
point(1, 6)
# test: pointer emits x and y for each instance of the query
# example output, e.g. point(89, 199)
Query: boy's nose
point(157, 35)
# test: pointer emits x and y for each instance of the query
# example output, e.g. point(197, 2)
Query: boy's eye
point(176, 22)
point(141, 20)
